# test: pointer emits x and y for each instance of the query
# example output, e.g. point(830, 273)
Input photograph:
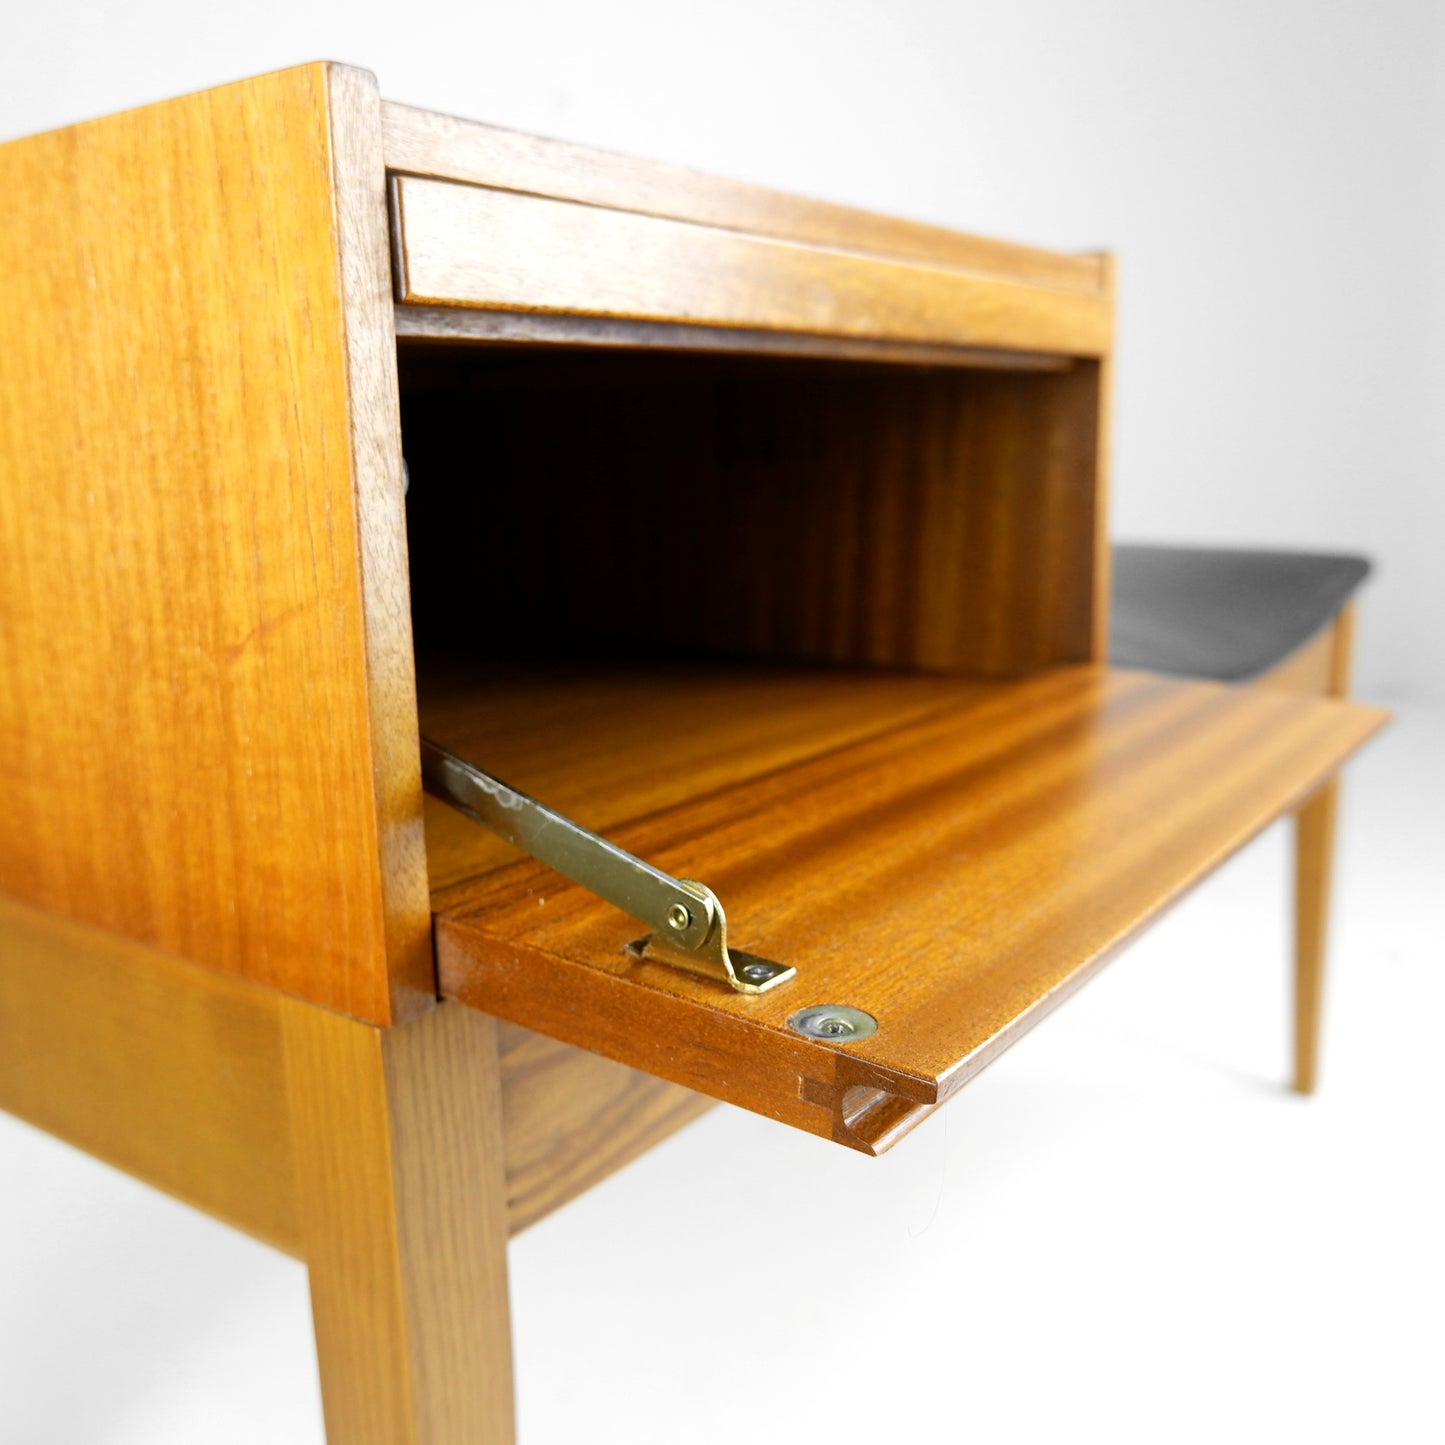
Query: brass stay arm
point(689, 927)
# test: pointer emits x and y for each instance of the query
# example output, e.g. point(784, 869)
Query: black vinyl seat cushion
point(1215, 613)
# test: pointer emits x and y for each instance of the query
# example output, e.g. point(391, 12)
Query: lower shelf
point(952, 858)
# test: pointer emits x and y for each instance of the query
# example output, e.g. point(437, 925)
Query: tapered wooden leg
point(1326, 668)
point(1314, 866)
point(397, 1143)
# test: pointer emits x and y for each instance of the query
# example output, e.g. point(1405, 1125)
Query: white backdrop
point(1272, 173)
point(1126, 1232)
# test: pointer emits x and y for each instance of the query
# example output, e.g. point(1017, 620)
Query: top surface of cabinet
point(424, 143)
point(491, 220)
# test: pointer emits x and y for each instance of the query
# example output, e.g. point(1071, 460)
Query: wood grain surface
point(956, 877)
point(398, 1150)
point(177, 1075)
point(607, 744)
point(173, 1073)
point(573, 1117)
point(1103, 417)
point(1324, 667)
point(464, 245)
point(364, 264)
point(1309, 669)
point(426, 143)
point(207, 741)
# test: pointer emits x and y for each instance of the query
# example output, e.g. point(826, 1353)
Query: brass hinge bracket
point(689, 927)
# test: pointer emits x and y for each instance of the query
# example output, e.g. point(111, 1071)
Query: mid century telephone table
point(763, 537)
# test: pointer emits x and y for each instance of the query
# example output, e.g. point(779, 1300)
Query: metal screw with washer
point(836, 1022)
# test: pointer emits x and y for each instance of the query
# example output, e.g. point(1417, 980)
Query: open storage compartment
point(768, 539)
point(820, 634)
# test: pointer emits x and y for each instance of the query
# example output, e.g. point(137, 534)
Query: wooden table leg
point(1314, 875)
point(1314, 865)
point(397, 1143)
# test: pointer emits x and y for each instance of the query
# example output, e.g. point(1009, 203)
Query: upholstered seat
point(1218, 613)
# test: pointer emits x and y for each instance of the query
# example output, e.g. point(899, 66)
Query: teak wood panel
point(207, 729)
point(577, 737)
point(573, 1117)
point(177, 1075)
point(1103, 417)
point(942, 519)
point(174, 1073)
point(956, 878)
point(466, 245)
point(426, 143)
point(1315, 668)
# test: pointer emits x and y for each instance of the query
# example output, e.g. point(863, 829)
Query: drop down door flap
point(938, 870)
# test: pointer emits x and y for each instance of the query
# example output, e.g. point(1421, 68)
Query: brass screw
point(678, 917)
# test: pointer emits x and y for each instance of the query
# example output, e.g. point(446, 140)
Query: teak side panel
point(426, 143)
point(1103, 461)
point(956, 878)
point(194, 436)
point(173, 1073)
point(468, 245)
point(1315, 667)
point(363, 237)
point(176, 1074)
point(573, 1117)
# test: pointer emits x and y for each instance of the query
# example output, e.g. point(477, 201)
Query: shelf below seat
point(952, 857)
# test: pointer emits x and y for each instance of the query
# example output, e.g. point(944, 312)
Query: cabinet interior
point(809, 631)
point(615, 504)
point(706, 565)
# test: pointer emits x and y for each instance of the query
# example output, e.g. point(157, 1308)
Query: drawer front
point(473, 246)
